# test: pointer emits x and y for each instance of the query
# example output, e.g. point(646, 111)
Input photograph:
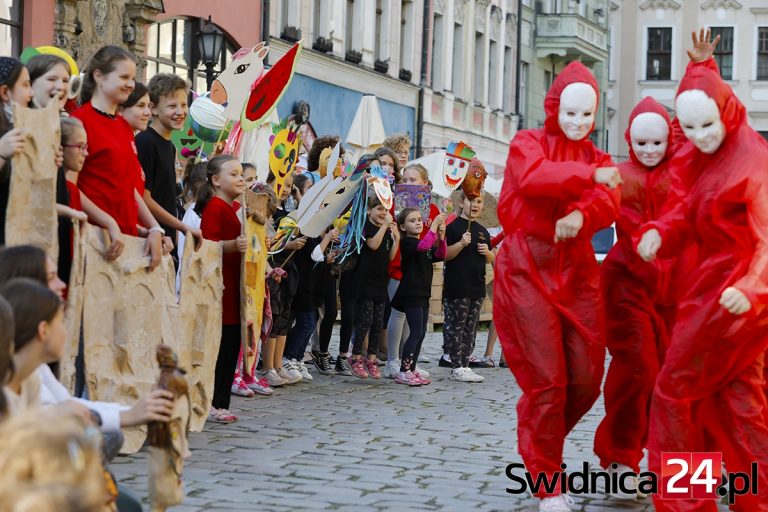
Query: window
point(659, 55)
point(524, 92)
point(350, 29)
point(762, 53)
point(377, 44)
point(458, 61)
point(508, 93)
point(172, 48)
point(10, 27)
point(437, 54)
point(724, 51)
point(406, 35)
point(493, 74)
point(479, 68)
point(764, 134)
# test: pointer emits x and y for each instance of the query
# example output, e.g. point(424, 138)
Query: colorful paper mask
point(378, 180)
point(475, 179)
point(285, 231)
point(283, 153)
point(457, 158)
point(207, 119)
point(413, 196)
point(234, 84)
point(268, 89)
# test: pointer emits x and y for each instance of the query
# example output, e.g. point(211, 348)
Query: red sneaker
point(359, 368)
point(373, 369)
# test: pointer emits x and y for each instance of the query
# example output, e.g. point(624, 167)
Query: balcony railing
point(572, 32)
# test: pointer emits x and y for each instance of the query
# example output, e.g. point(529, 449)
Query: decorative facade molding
point(509, 28)
point(481, 6)
point(459, 11)
point(660, 4)
point(439, 6)
point(721, 4)
point(496, 19)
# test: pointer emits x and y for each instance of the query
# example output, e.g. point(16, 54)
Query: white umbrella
point(367, 130)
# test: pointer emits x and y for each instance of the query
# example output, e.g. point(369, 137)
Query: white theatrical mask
point(576, 116)
point(700, 120)
point(649, 134)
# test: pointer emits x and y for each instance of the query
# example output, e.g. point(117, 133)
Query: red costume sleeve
point(754, 283)
point(540, 177)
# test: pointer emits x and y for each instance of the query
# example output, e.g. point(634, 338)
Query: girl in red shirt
point(111, 176)
point(220, 223)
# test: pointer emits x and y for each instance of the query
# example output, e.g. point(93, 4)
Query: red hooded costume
point(708, 394)
point(547, 304)
point(639, 309)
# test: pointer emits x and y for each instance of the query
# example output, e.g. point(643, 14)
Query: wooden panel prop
point(31, 214)
point(126, 316)
point(202, 286)
point(73, 315)
point(253, 273)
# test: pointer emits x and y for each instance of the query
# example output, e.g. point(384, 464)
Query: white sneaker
point(302, 369)
point(274, 380)
point(391, 369)
point(290, 367)
point(292, 376)
point(559, 503)
point(461, 375)
point(476, 377)
point(630, 483)
point(421, 371)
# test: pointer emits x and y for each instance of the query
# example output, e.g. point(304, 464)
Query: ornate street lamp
point(211, 42)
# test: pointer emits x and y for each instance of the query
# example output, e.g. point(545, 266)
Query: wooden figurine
point(168, 444)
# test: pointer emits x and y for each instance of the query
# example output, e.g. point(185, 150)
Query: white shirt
point(192, 220)
point(53, 392)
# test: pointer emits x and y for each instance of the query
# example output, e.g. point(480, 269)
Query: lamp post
point(211, 41)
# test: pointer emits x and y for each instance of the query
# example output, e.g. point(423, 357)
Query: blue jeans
point(299, 335)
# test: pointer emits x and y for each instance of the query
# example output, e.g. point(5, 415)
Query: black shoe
point(503, 363)
point(343, 367)
point(323, 364)
point(445, 361)
point(315, 354)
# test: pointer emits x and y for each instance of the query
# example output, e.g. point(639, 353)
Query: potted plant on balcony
point(323, 44)
point(292, 34)
point(353, 56)
point(382, 66)
point(405, 74)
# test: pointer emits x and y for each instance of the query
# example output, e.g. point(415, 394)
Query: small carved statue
point(168, 444)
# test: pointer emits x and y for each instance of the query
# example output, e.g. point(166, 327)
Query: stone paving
point(341, 443)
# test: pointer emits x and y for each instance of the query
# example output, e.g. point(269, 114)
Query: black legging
point(347, 324)
point(225, 366)
point(417, 318)
point(329, 313)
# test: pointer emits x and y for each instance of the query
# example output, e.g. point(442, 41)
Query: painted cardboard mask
point(327, 157)
point(233, 85)
point(413, 196)
point(283, 153)
point(475, 179)
point(378, 180)
point(457, 158)
point(268, 89)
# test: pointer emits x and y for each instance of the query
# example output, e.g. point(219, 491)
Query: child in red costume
point(709, 390)
point(547, 303)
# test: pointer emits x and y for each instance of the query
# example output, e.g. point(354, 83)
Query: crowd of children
point(119, 170)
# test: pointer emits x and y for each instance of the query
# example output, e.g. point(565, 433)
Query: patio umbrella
point(367, 130)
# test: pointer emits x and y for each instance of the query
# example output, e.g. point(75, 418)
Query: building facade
point(471, 73)
point(351, 48)
point(160, 32)
point(649, 42)
point(554, 33)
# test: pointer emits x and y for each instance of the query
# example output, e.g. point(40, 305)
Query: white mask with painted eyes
point(700, 120)
point(648, 133)
point(577, 110)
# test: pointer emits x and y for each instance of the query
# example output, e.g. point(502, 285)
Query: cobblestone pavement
point(341, 443)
